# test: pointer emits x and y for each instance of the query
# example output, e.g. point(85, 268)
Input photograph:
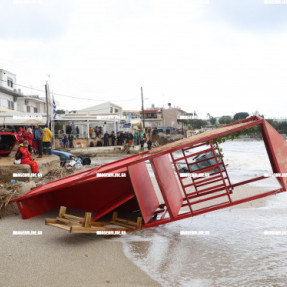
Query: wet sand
point(58, 258)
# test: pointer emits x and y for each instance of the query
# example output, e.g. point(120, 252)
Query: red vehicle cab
point(7, 142)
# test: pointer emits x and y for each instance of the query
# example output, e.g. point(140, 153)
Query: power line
point(61, 95)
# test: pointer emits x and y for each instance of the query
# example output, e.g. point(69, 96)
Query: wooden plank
point(49, 220)
point(126, 221)
point(67, 222)
point(62, 211)
point(139, 223)
point(80, 229)
point(69, 216)
point(87, 221)
point(115, 215)
point(98, 223)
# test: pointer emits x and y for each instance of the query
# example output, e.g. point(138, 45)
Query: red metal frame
point(181, 200)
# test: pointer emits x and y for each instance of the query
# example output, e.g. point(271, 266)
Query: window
point(35, 110)
point(10, 82)
point(10, 105)
point(116, 110)
point(28, 109)
point(111, 110)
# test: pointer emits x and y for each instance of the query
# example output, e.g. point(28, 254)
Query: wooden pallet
point(75, 224)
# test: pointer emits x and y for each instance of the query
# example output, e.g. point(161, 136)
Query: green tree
point(225, 120)
point(281, 127)
point(212, 120)
point(240, 116)
point(196, 123)
point(59, 112)
point(58, 126)
point(68, 129)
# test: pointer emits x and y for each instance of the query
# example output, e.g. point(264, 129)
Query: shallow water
point(236, 249)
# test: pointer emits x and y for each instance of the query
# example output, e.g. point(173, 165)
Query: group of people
point(97, 130)
point(37, 141)
point(125, 138)
point(66, 140)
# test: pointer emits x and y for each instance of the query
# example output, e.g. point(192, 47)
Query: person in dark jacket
point(38, 136)
point(65, 141)
point(122, 138)
point(142, 141)
point(149, 144)
point(131, 139)
point(106, 139)
point(71, 140)
point(113, 137)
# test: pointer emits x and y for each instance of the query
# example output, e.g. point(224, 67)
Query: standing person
point(65, 141)
point(38, 136)
point(149, 143)
point(118, 139)
point(142, 141)
point(77, 131)
point(21, 135)
point(97, 131)
point(28, 136)
point(113, 137)
point(135, 138)
point(106, 139)
point(47, 138)
point(71, 139)
point(91, 130)
point(131, 138)
point(126, 137)
point(122, 138)
point(25, 156)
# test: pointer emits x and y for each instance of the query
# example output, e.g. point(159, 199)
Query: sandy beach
point(57, 258)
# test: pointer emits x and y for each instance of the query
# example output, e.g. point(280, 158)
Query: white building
point(106, 108)
point(7, 80)
point(31, 104)
point(16, 108)
point(108, 116)
point(8, 99)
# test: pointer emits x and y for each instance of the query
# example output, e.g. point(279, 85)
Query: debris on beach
point(10, 191)
point(162, 138)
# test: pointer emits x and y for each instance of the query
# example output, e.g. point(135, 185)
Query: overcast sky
point(218, 57)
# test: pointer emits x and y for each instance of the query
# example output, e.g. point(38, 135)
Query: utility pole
point(47, 101)
point(143, 108)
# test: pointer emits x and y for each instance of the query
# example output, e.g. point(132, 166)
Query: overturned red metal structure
point(176, 198)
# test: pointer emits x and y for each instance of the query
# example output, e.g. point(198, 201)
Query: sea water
point(229, 247)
